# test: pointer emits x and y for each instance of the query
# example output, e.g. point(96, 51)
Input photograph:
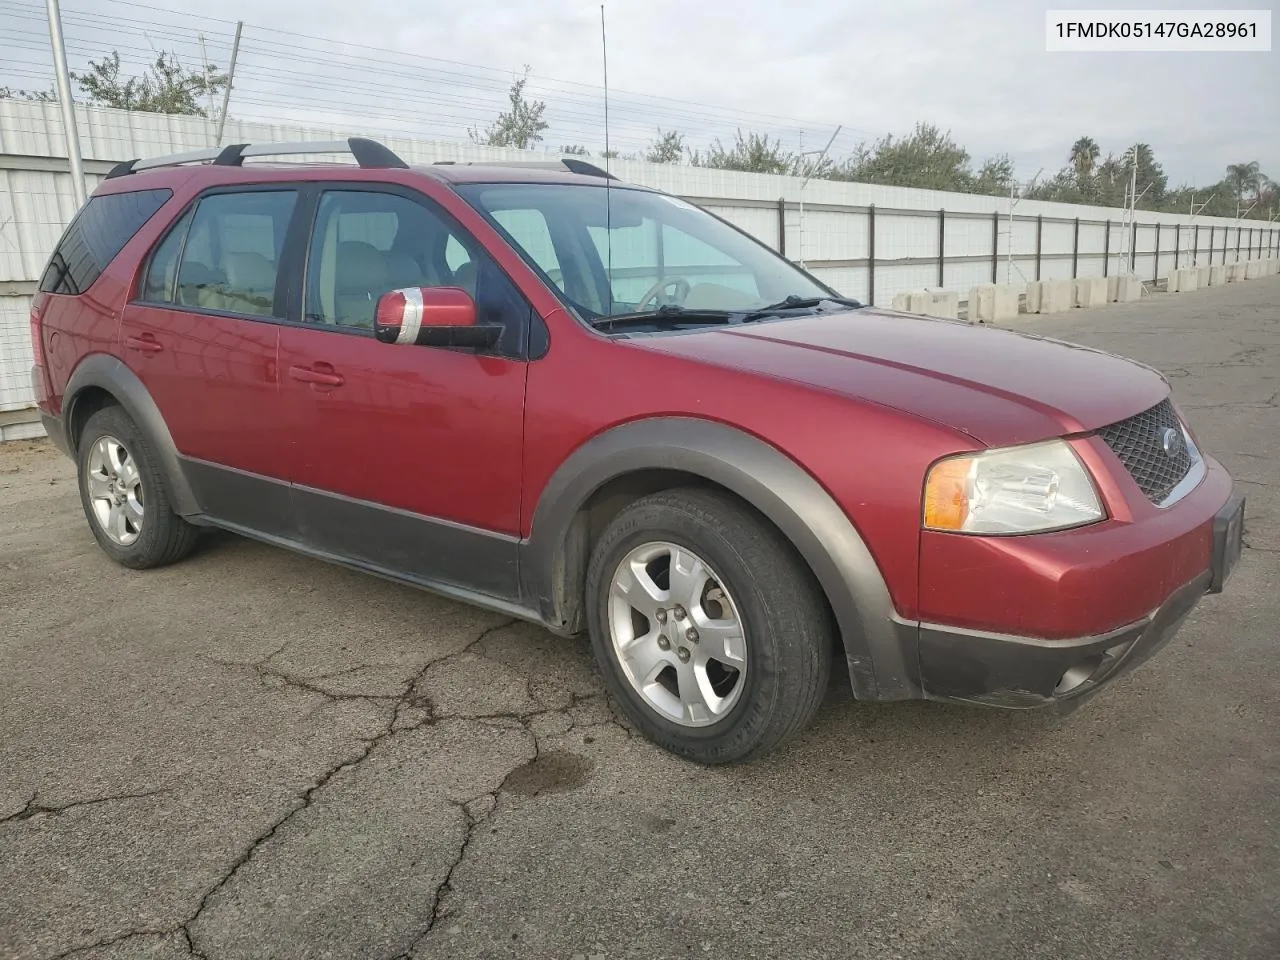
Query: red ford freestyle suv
point(600, 408)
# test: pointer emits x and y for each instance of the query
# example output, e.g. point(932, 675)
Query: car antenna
point(608, 156)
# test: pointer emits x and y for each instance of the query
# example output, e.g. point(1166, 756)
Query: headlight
point(1031, 489)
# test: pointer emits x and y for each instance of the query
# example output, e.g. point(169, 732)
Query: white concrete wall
point(833, 239)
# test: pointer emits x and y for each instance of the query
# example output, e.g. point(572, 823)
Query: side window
point(99, 232)
point(162, 272)
point(366, 243)
point(232, 253)
point(455, 254)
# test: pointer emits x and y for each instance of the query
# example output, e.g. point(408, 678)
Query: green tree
point(1110, 184)
point(40, 96)
point(1084, 156)
point(520, 126)
point(1153, 182)
point(1268, 200)
point(165, 87)
point(926, 158)
point(995, 177)
point(752, 153)
point(669, 147)
point(1245, 180)
point(575, 150)
point(1062, 187)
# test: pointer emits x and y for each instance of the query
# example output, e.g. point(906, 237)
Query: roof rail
point(368, 153)
point(572, 164)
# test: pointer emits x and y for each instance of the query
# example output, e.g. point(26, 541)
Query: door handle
point(311, 375)
point(146, 343)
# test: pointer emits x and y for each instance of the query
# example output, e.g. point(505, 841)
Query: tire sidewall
point(114, 422)
point(750, 714)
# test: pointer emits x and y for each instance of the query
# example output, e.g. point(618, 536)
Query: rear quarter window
point(99, 232)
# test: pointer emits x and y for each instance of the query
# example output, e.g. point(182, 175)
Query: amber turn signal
point(946, 494)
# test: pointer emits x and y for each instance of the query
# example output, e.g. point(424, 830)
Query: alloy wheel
point(677, 634)
point(114, 485)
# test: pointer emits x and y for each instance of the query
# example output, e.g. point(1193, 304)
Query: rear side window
point(225, 255)
point(163, 271)
point(96, 235)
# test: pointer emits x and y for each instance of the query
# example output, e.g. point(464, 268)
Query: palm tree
point(1084, 154)
point(1246, 178)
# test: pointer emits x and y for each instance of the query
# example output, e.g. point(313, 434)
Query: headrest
point(249, 271)
point(360, 268)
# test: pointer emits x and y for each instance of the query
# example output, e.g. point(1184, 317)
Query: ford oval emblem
point(1171, 441)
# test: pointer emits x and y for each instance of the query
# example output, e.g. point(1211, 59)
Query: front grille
point(1139, 443)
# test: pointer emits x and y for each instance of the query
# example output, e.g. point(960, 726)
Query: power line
point(635, 130)
point(687, 110)
point(558, 98)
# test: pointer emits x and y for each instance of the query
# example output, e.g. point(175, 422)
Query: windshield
point(619, 251)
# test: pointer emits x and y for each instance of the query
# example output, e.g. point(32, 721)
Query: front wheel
point(710, 632)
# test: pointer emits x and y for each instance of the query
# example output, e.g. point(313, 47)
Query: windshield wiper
point(794, 302)
point(670, 316)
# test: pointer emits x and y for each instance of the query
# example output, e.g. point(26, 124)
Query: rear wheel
point(124, 497)
point(709, 630)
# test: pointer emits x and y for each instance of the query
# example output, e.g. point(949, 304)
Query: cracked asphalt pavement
point(251, 754)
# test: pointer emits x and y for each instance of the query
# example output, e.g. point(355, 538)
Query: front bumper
point(1020, 672)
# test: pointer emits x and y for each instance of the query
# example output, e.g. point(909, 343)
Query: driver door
point(408, 458)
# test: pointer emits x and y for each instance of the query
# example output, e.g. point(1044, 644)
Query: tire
point(764, 640)
point(124, 496)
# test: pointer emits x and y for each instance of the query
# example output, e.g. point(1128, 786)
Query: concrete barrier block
point(1090, 292)
point(992, 303)
point(1202, 276)
point(929, 303)
point(1184, 280)
point(1217, 275)
point(1253, 270)
point(1124, 289)
point(939, 303)
point(1050, 296)
point(1236, 271)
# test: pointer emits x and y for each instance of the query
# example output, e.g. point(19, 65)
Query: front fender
point(109, 373)
point(880, 648)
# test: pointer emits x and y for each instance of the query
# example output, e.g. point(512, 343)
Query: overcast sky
point(977, 68)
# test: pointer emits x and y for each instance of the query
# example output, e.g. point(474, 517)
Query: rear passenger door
point(203, 337)
point(407, 458)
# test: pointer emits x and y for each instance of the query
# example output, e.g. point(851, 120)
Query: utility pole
point(807, 174)
point(1133, 211)
point(231, 78)
point(63, 77)
point(1195, 259)
point(1013, 202)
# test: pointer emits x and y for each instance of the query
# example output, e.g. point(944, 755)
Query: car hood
point(1000, 387)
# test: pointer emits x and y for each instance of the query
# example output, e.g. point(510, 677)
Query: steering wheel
point(655, 293)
